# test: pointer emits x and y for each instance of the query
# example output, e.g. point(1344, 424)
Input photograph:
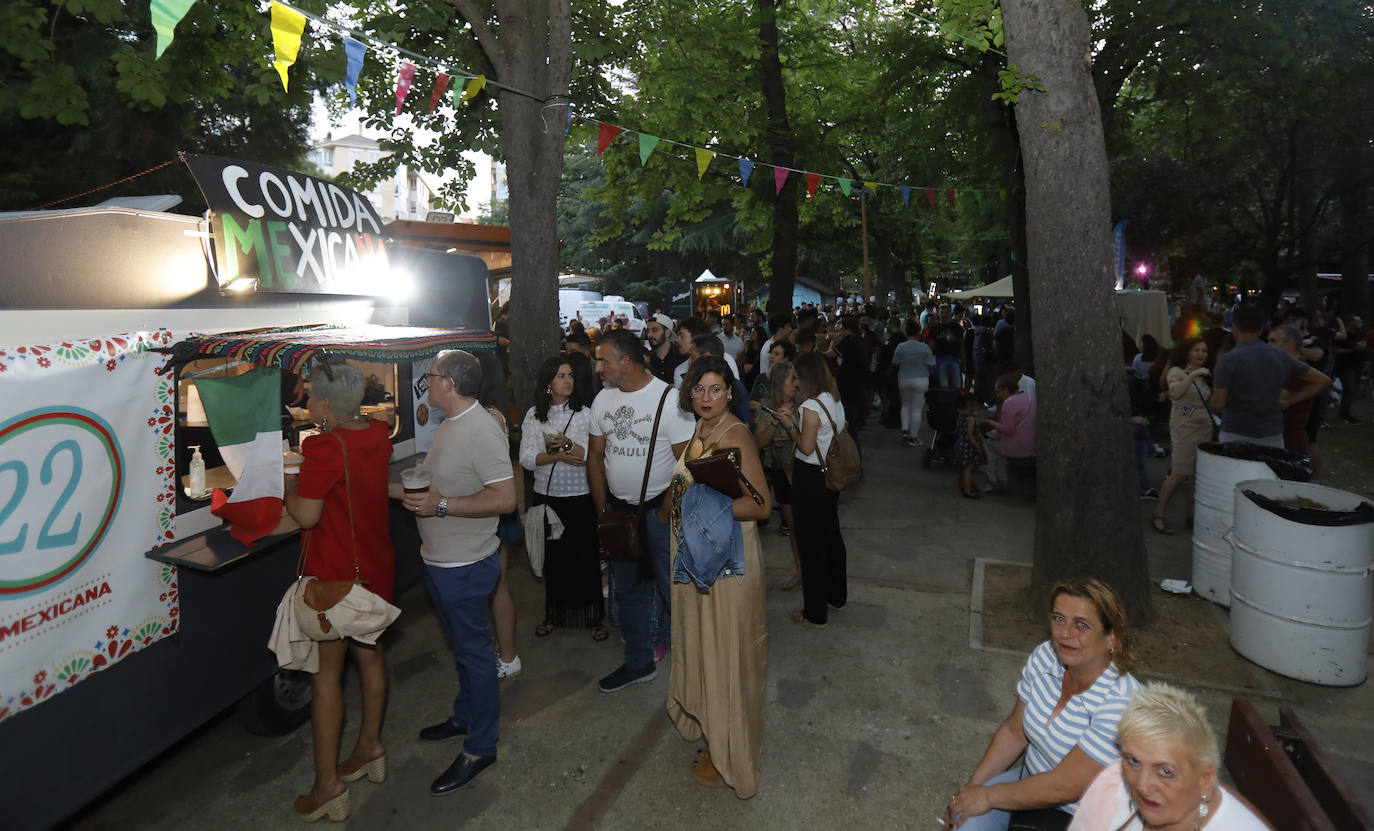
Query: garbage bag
point(1286, 464)
point(1307, 511)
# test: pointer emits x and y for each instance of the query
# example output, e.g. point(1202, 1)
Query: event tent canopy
point(999, 288)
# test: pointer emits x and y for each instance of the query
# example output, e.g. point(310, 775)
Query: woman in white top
point(553, 445)
point(815, 507)
point(1167, 777)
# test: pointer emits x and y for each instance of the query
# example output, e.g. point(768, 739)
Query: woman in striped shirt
point(1073, 690)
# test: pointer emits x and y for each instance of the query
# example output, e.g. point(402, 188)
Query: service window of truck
point(141, 352)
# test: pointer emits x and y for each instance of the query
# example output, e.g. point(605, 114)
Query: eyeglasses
point(424, 379)
point(713, 391)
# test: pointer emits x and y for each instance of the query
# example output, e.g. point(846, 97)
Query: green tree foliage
point(83, 101)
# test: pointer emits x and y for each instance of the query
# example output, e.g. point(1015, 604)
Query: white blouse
point(556, 479)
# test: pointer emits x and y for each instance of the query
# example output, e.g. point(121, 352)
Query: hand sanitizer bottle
point(196, 483)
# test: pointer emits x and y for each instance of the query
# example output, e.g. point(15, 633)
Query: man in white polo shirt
point(472, 485)
point(617, 451)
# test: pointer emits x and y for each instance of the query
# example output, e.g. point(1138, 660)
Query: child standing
point(968, 452)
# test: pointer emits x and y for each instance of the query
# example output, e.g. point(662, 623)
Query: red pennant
point(605, 133)
point(403, 84)
point(779, 178)
point(930, 196)
point(440, 84)
point(949, 194)
point(812, 181)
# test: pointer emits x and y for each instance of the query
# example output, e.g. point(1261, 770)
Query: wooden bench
point(1283, 773)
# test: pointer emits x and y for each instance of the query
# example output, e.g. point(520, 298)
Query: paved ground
point(871, 722)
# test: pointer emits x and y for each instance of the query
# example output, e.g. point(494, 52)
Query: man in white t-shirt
point(734, 344)
point(617, 451)
point(473, 484)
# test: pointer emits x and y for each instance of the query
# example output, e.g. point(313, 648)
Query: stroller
point(942, 410)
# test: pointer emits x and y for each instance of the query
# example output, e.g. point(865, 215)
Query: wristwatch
point(441, 510)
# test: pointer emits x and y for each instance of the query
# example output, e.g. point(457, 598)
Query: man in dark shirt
point(946, 338)
point(1248, 388)
point(852, 375)
point(664, 356)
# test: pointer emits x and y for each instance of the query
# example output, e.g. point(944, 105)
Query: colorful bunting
point(403, 82)
point(355, 50)
point(440, 84)
point(745, 168)
point(845, 185)
point(704, 158)
point(779, 179)
point(906, 195)
point(647, 143)
point(930, 196)
point(978, 196)
point(872, 186)
point(166, 15)
point(605, 134)
point(474, 86)
point(949, 194)
point(812, 180)
point(287, 27)
point(1002, 194)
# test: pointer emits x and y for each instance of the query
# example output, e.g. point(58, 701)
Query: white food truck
point(128, 614)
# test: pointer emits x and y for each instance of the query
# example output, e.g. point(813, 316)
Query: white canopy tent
point(998, 288)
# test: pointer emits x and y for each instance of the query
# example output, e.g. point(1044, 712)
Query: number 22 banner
point(86, 489)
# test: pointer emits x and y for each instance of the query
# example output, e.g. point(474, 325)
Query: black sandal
point(599, 633)
point(544, 628)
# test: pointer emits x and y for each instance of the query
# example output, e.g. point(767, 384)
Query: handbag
point(721, 470)
point(618, 531)
point(312, 596)
point(1216, 425)
point(842, 466)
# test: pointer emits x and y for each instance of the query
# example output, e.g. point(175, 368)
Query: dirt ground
point(1345, 457)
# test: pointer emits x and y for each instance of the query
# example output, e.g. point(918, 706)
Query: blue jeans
point(634, 594)
point(994, 820)
point(947, 372)
point(1142, 453)
point(460, 600)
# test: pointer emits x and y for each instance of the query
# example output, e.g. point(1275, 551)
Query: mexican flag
point(245, 419)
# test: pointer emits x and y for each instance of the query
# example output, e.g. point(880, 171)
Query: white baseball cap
point(662, 320)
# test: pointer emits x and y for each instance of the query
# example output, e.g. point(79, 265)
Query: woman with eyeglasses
point(720, 630)
point(553, 446)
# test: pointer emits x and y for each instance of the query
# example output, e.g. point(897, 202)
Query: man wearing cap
point(664, 356)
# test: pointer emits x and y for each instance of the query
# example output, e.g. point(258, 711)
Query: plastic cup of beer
point(415, 480)
point(553, 441)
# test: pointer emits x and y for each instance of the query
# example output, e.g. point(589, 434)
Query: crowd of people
point(622, 426)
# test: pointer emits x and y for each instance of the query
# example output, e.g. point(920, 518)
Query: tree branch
point(486, 37)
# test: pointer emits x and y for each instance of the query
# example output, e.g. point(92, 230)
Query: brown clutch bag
point(720, 470)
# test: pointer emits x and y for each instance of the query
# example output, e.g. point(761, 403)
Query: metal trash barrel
point(1301, 579)
point(1214, 500)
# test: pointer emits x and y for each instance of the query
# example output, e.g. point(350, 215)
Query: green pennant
point(978, 195)
point(647, 143)
point(845, 185)
point(166, 15)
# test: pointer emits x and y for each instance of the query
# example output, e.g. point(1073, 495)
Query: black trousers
point(820, 547)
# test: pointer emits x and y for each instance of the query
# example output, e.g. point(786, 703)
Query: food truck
point(715, 294)
point(129, 614)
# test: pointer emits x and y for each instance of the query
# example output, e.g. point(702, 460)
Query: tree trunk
point(1087, 511)
point(779, 140)
point(1355, 236)
point(1305, 202)
point(536, 44)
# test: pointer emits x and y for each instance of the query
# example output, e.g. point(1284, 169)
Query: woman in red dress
point(343, 517)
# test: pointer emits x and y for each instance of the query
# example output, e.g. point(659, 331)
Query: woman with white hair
point(1167, 778)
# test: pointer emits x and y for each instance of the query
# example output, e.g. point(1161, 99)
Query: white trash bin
point(1214, 500)
point(1300, 591)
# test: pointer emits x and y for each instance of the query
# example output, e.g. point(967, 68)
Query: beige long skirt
point(720, 667)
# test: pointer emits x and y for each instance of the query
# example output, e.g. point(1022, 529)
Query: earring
point(324, 423)
point(1203, 809)
point(1111, 650)
point(548, 390)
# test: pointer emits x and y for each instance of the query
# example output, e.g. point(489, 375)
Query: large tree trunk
point(1355, 235)
point(779, 140)
point(1305, 202)
point(532, 51)
point(1087, 510)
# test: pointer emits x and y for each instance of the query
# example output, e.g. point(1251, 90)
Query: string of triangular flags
point(288, 28)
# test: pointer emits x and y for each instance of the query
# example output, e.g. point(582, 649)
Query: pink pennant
point(779, 178)
point(440, 84)
point(403, 84)
point(812, 180)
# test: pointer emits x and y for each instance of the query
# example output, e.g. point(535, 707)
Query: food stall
point(129, 614)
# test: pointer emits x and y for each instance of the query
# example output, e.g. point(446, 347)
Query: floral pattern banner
point(86, 489)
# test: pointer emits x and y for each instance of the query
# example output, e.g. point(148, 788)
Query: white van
point(568, 302)
point(591, 312)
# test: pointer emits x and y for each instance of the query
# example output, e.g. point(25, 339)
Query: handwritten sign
point(289, 231)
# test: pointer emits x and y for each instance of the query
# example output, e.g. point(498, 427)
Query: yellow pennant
point(873, 186)
point(287, 27)
point(704, 158)
point(474, 87)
